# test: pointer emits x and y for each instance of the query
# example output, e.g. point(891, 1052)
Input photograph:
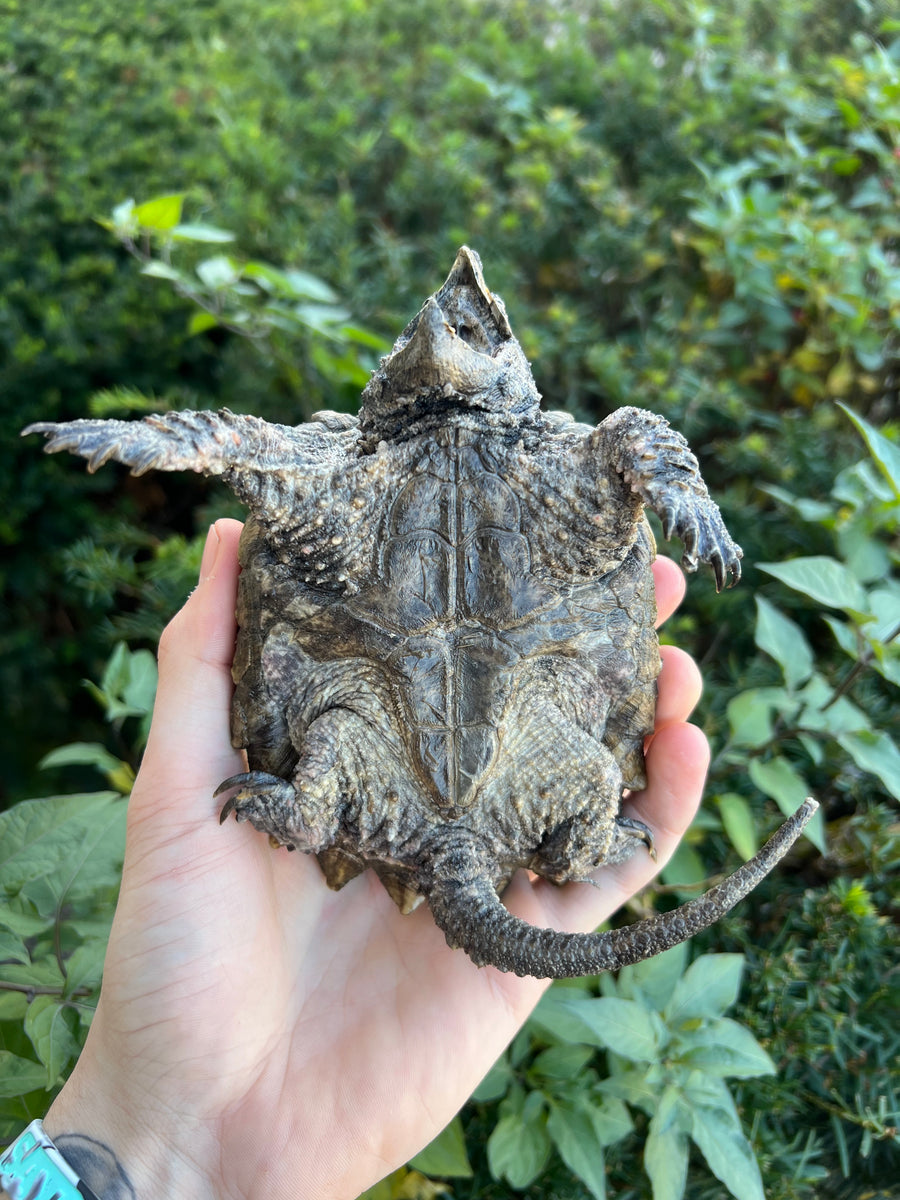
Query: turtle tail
point(468, 910)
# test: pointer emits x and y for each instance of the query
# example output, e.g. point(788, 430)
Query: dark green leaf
point(446, 1155)
point(518, 1150)
point(737, 818)
point(823, 579)
point(779, 636)
point(577, 1138)
point(48, 1028)
point(18, 1076)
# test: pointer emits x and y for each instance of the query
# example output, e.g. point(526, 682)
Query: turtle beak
point(437, 354)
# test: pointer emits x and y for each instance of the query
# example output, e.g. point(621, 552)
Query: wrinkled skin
point(446, 664)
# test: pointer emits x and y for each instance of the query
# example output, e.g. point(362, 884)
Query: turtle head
point(457, 354)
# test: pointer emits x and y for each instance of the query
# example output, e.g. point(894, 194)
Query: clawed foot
point(702, 530)
point(266, 801)
point(634, 828)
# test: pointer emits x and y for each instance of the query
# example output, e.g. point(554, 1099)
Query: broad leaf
point(877, 753)
point(737, 818)
point(496, 1083)
point(626, 1027)
point(18, 1076)
point(47, 1025)
point(656, 977)
point(580, 1146)
point(195, 232)
point(725, 1048)
point(823, 579)
point(727, 1152)
point(666, 1149)
point(12, 948)
point(778, 779)
point(37, 836)
point(217, 272)
point(885, 452)
point(160, 214)
point(518, 1150)
point(709, 986)
point(562, 1062)
point(446, 1155)
point(785, 641)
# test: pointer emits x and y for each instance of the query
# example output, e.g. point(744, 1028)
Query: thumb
point(189, 748)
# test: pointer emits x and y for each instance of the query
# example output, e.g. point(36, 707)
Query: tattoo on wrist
point(97, 1165)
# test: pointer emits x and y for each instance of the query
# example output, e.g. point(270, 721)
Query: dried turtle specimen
point(446, 663)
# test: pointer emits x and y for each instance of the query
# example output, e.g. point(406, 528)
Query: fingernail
point(210, 553)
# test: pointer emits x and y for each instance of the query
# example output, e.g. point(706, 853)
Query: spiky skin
point(446, 661)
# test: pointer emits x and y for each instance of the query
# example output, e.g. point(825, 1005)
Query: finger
point(680, 686)
point(670, 587)
point(189, 744)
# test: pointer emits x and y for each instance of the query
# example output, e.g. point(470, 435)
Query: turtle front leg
point(658, 465)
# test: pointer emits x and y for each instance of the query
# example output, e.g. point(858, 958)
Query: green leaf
point(19, 1076)
point(496, 1083)
point(304, 286)
point(446, 1155)
point(562, 1062)
point(48, 1028)
point(709, 986)
point(161, 270)
point(626, 1027)
point(37, 837)
point(558, 1014)
point(877, 753)
point(84, 966)
point(579, 1142)
point(750, 714)
point(885, 453)
point(666, 1149)
point(518, 1150)
point(726, 1048)
point(727, 1152)
point(655, 977)
point(778, 779)
point(195, 232)
point(88, 754)
point(218, 272)
point(160, 214)
point(200, 322)
point(785, 641)
point(12, 948)
point(737, 818)
point(822, 579)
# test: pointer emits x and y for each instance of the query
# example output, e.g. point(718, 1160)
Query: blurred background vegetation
point(689, 206)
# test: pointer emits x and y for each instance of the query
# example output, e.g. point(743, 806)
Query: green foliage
point(688, 206)
point(665, 1047)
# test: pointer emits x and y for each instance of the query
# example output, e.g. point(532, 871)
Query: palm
point(318, 1036)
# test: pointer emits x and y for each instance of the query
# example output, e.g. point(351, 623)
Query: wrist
point(125, 1155)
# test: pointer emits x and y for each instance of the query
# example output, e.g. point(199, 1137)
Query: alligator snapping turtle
point(446, 661)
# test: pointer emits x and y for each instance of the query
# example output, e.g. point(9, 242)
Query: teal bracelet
point(33, 1169)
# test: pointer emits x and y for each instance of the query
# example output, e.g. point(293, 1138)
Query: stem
point(39, 989)
point(857, 669)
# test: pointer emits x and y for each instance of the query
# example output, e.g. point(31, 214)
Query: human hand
point(261, 1036)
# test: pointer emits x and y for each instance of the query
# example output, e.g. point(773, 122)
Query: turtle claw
point(259, 796)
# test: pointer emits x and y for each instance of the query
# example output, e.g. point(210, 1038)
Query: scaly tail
point(469, 911)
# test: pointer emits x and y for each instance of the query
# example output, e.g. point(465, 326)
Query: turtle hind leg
point(302, 812)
